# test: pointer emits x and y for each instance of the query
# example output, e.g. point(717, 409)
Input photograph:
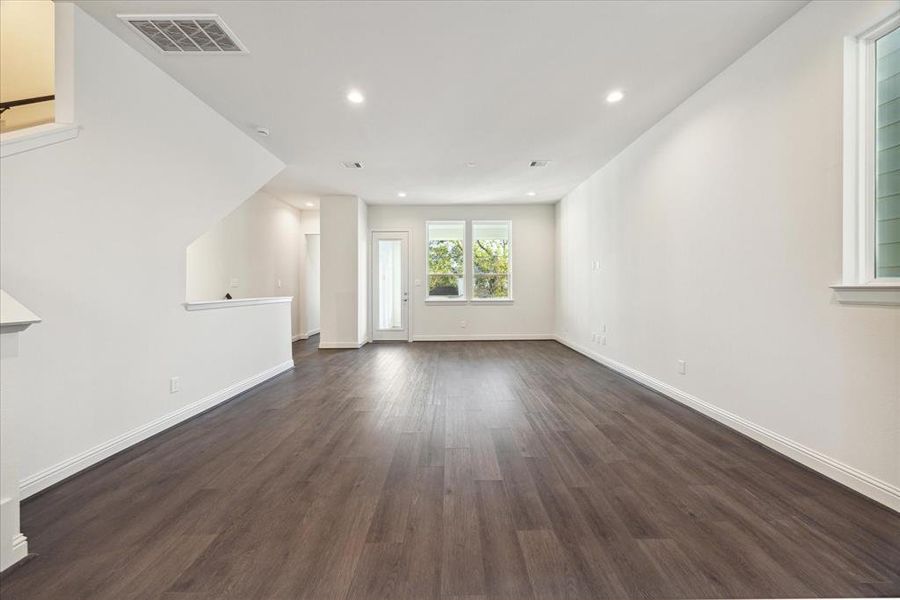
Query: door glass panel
point(389, 285)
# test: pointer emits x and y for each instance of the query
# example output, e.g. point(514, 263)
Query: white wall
point(259, 246)
point(93, 233)
point(343, 272)
point(531, 315)
point(718, 233)
point(362, 271)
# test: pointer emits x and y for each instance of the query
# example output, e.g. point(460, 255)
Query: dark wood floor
point(448, 470)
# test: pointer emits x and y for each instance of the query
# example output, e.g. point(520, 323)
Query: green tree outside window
point(446, 267)
point(491, 259)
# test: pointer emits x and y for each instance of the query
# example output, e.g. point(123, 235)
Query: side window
point(870, 272)
point(887, 155)
point(491, 260)
point(445, 257)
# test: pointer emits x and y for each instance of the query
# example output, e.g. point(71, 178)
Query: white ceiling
point(446, 83)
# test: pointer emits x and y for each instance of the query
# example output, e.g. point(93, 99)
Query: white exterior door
point(390, 285)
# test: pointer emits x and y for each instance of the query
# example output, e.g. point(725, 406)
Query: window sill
point(874, 293)
point(211, 304)
point(452, 301)
point(31, 138)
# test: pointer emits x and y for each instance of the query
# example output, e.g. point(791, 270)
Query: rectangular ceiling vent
point(539, 163)
point(352, 165)
point(186, 34)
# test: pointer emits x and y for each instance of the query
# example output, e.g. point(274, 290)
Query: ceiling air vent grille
point(352, 165)
point(186, 34)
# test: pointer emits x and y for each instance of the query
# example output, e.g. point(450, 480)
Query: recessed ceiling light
point(540, 164)
point(401, 194)
point(310, 204)
point(471, 164)
point(356, 97)
point(530, 194)
point(614, 96)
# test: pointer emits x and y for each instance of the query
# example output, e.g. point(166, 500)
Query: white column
point(343, 272)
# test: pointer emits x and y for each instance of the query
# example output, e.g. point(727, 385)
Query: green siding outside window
point(887, 148)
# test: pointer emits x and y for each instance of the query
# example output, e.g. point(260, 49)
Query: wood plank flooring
point(516, 470)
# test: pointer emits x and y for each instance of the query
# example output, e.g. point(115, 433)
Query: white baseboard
point(14, 552)
point(43, 479)
point(19, 548)
point(304, 336)
point(865, 484)
point(486, 337)
point(335, 345)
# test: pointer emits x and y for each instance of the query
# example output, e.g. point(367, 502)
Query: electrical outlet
point(463, 324)
point(278, 283)
point(603, 340)
point(682, 367)
point(235, 282)
point(174, 385)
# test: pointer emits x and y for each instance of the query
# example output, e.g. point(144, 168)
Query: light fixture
point(614, 96)
point(355, 97)
point(310, 204)
point(263, 131)
point(401, 194)
point(471, 164)
point(530, 194)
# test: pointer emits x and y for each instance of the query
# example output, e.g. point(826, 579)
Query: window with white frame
point(887, 155)
point(445, 257)
point(871, 265)
point(491, 260)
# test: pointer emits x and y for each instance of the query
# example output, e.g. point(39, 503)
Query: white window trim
point(448, 299)
point(64, 127)
point(859, 284)
point(509, 299)
point(436, 300)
